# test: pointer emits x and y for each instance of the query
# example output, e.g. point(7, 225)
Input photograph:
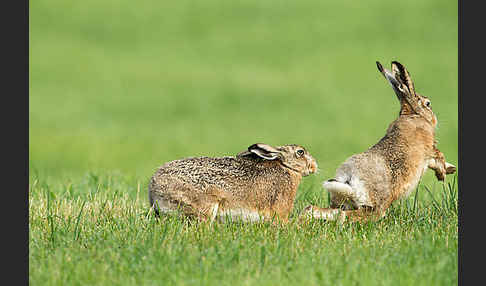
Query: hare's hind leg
point(161, 206)
point(178, 197)
point(240, 214)
point(168, 206)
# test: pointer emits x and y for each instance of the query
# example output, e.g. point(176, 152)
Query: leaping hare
point(257, 184)
point(367, 183)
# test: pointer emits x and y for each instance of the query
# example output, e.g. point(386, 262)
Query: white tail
point(356, 194)
point(336, 187)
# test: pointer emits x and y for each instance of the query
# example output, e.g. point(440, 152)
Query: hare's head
point(411, 102)
point(292, 156)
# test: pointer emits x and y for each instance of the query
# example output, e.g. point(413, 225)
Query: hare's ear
point(401, 74)
point(390, 77)
point(399, 79)
point(262, 150)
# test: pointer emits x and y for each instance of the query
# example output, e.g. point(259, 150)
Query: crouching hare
point(366, 184)
point(257, 184)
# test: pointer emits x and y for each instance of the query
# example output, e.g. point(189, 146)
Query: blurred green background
point(124, 86)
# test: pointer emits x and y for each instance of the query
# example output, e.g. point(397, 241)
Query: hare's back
point(209, 170)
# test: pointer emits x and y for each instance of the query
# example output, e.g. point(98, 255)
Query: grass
point(117, 88)
point(107, 237)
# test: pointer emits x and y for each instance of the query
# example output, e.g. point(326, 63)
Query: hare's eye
point(300, 152)
point(427, 103)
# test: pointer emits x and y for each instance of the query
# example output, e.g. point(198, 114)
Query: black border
point(471, 122)
point(15, 131)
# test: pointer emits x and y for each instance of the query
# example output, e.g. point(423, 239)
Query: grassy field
point(117, 88)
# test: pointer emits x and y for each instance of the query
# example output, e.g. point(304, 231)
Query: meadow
point(117, 88)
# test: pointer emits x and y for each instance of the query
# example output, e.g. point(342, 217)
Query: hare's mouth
point(312, 168)
point(309, 170)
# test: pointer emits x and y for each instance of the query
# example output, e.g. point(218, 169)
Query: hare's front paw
point(440, 174)
point(450, 169)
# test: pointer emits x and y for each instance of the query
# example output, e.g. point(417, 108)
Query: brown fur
point(391, 168)
point(201, 186)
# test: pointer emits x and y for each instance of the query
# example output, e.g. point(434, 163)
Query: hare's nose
point(313, 166)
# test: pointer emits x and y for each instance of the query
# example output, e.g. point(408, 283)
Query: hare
point(366, 184)
point(258, 184)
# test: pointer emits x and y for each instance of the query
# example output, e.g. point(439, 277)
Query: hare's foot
point(364, 214)
point(359, 215)
point(326, 214)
